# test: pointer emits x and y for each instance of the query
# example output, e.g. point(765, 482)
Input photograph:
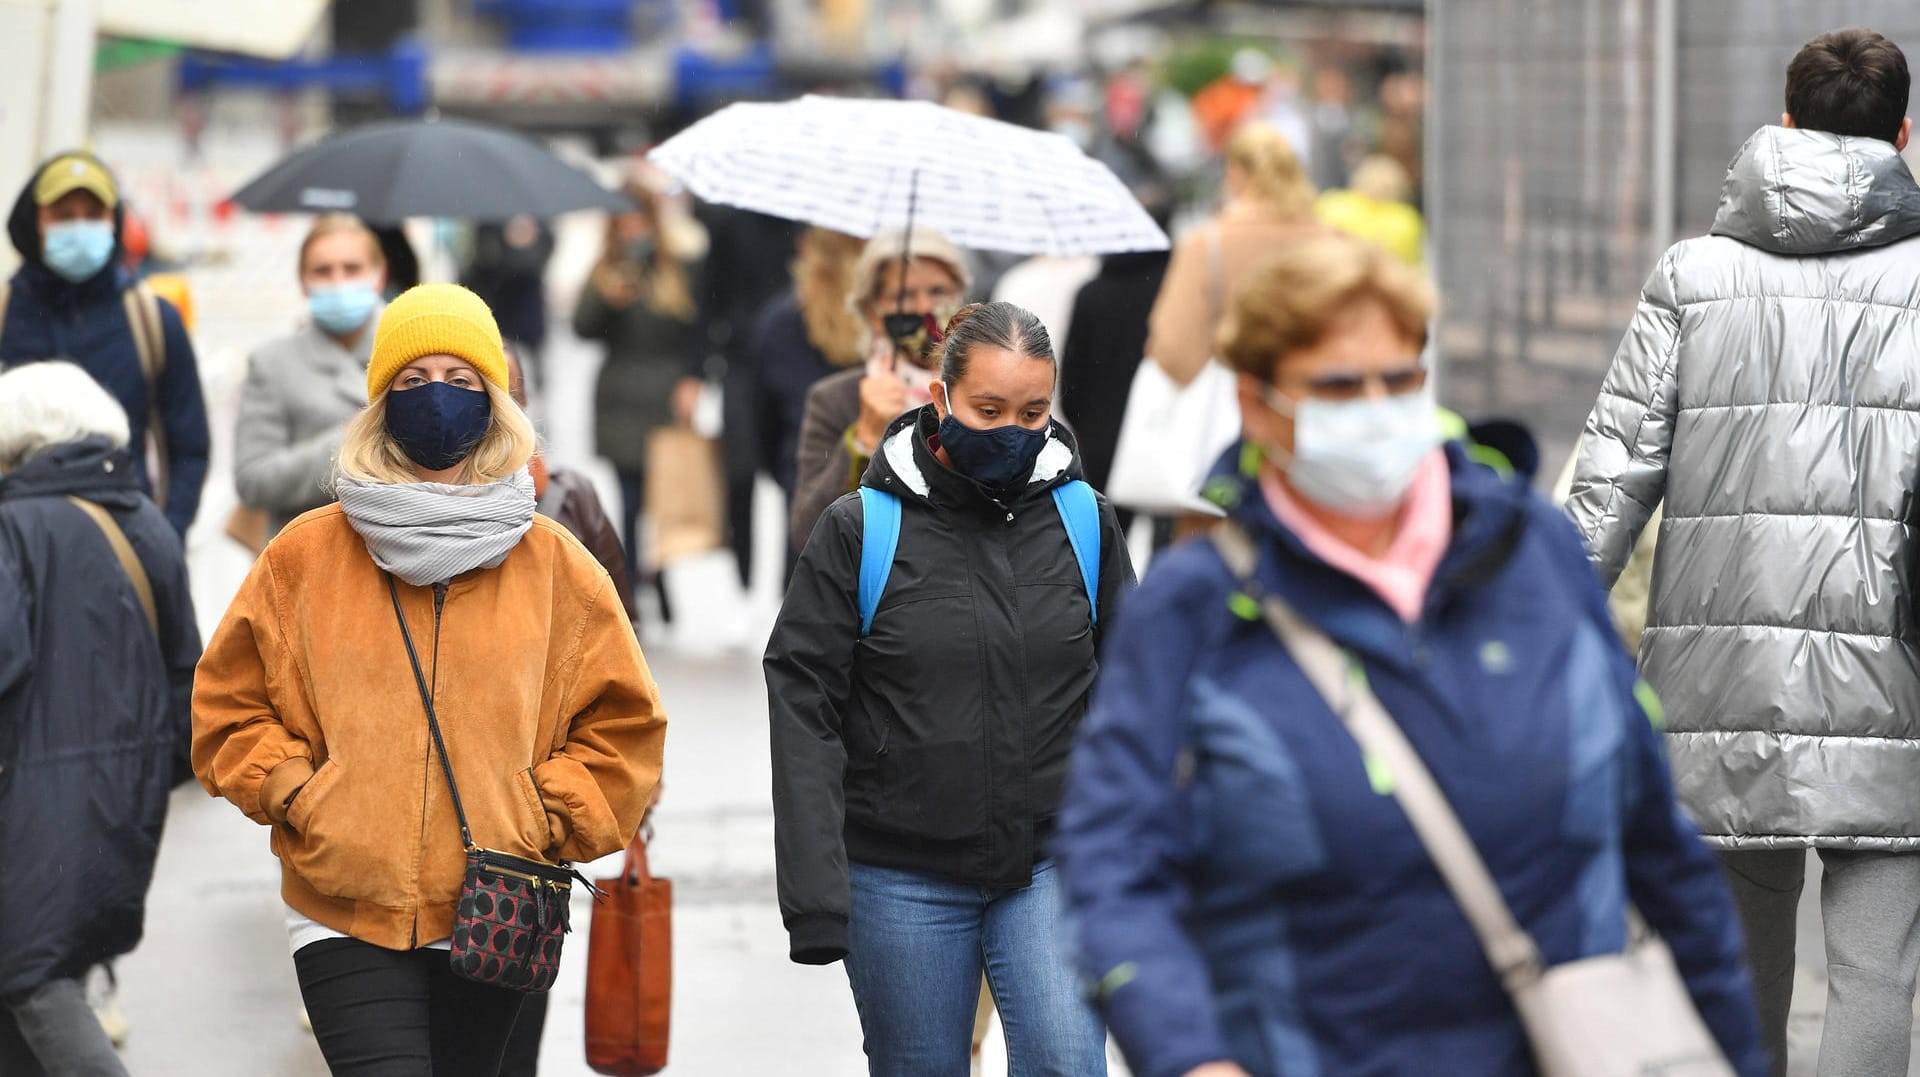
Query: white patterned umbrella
point(865, 166)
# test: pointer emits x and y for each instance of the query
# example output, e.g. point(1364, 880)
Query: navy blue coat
point(93, 712)
point(48, 317)
point(1240, 890)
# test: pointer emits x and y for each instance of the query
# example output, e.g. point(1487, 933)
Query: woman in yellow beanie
point(311, 715)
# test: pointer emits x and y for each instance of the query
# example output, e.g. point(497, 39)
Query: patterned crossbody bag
point(513, 912)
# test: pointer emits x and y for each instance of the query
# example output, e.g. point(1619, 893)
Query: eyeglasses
point(1352, 386)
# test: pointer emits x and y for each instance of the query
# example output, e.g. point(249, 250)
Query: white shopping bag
point(1171, 437)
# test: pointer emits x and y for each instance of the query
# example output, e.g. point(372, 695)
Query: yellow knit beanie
point(435, 319)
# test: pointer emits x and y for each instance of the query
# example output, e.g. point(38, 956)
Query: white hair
point(49, 404)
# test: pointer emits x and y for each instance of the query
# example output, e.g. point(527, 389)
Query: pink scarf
point(1401, 577)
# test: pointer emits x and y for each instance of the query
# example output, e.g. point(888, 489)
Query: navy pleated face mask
point(437, 425)
point(1001, 458)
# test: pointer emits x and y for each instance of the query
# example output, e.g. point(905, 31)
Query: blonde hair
point(889, 246)
point(1382, 179)
point(822, 280)
point(1294, 300)
point(1274, 176)
point(333, 224)
point(370, 454)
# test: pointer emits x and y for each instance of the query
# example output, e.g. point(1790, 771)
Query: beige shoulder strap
point(1342, 683)
point(129, 561)
point(150, 341)
point(149, 338)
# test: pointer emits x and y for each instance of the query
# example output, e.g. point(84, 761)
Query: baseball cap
point(71, 172)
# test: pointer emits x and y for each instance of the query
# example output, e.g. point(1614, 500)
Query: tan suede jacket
point(305, 695)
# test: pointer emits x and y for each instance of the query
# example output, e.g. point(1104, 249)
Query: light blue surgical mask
point(342, 308)
point(1356, 458)
point(77, 250)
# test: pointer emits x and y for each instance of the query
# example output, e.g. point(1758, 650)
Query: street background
point(1547, 206)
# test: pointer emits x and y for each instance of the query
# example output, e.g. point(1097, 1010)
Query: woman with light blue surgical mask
point(302, 389)
point(1246, 889)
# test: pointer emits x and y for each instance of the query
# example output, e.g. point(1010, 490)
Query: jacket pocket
point(538, 832)
point(305, 803)
point(341, 845)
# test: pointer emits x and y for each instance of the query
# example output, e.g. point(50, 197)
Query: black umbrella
point(388, 172)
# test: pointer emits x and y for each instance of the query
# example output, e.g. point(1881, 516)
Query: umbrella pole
point(906, 253)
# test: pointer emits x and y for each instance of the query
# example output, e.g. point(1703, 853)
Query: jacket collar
point(906, 466)
point(55, 290)
point(1489, 516)
point(89, 469)
point(348, 369)
point(1809, 192)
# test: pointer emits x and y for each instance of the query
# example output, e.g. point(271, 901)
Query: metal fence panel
point(1545, 176)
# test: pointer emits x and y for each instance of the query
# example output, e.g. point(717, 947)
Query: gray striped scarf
point(426, 532)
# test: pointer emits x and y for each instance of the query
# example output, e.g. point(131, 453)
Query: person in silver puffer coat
point(1768, 390)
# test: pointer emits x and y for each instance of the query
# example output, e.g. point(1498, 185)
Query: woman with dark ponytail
point(928, 671)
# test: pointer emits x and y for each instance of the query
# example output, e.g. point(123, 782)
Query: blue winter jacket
point(48, 317)
point(1240, 888)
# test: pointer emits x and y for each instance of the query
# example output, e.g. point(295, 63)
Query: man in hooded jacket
point(70, 300)
point(1769, 391)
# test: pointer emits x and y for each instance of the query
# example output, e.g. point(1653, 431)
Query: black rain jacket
point(939, 742)
point(93, 712)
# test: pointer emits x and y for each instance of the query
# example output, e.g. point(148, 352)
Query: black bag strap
point(426, 700)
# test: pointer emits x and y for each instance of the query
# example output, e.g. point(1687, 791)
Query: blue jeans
point(917, 945)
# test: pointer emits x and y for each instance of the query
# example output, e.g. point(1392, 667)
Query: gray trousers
point(1870, 909)
point(52, 1032)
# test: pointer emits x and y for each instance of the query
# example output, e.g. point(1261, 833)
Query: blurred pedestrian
point(1377, 207)
point(748, 259)
point(1246, 894)
point(847, 414)
point(568, 499)
point(799, 339)
point(97, 648)
point(1765, 393)
point(639, 303)
point(1222, 106)
point(926, 675)
point(508, 270)
point(72, 298)
point(1108, 338)
point(303, 389)
point(1269, 206)
point(310, 717)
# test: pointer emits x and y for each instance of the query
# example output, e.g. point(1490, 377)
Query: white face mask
point(1357, 457)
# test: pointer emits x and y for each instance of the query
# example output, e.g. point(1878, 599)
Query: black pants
point(633, 499)
point(401, 1013)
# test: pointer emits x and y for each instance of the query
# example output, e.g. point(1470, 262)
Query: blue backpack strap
point(879, 540)
point(1080, 512)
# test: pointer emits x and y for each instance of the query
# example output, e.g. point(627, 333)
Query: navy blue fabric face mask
point(437, 424)
point(1001, 458)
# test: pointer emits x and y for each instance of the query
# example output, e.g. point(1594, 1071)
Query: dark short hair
point(1849, 82)
point(996, 325)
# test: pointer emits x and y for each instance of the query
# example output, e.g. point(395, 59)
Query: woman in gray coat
point(302, 389)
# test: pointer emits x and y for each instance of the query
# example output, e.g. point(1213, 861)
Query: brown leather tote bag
point(630, 969)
